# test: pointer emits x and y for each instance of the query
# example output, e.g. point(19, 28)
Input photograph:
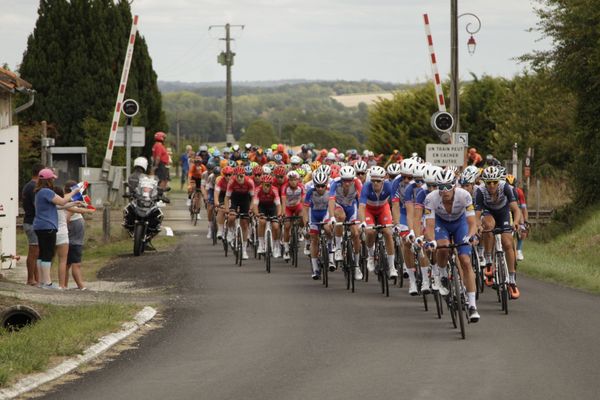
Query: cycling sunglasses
point(445, 187)
point(419, 181)
point(257, 174)
point(227, 174)
point(491, 182)
point(347, 180)
point(361, 173)
point(320, 186)
point(376, 180)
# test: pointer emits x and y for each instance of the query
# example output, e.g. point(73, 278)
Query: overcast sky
point(310, 39)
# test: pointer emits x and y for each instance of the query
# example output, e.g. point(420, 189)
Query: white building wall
point(5, 110)
point(9, 195)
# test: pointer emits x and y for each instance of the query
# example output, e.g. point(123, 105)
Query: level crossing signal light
point(442, 122)
point(130, 108)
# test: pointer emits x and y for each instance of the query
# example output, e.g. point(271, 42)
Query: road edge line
point(104, 343)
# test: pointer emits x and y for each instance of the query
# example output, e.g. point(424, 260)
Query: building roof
point(10, 82)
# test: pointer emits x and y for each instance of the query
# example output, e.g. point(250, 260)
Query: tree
point(574, 61)
point(259, 132)
point(74, 59)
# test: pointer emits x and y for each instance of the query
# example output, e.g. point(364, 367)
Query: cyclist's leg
point(442, 237)
point(340, 215)
point(314, 218)
point(287, 228)
point(488, 223)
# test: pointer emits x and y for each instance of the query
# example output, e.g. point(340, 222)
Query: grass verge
point(63, 331)
point(570, 259)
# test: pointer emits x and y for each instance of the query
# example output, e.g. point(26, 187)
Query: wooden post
point(537, 201)
point(106, 222)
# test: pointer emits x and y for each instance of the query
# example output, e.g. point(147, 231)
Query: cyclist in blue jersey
point(343, 205)
point(399, 185)
point(449, 214)
point(495, 201)
point(315, 211)
point(374, 209)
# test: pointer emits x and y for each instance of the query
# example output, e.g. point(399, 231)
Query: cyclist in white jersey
point(449, 214)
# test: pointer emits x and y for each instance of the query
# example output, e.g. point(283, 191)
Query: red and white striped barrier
point(439, 93)
point(120, 95)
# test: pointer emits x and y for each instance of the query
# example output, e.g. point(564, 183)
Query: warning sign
point(445, 155)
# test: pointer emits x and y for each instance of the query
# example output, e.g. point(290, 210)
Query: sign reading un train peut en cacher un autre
point(445, 155)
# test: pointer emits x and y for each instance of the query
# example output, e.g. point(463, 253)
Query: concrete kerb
point(106, 342)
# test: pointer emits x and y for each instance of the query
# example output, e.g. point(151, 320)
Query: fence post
point(106, 222)
point(537, 200)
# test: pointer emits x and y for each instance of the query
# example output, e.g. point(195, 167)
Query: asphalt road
point(238, 333)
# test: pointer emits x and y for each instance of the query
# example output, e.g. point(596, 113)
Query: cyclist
point(266, 202)
point(495, 201)
point(315, 211)
point(343, 205)
point(257, 173)
point(393, 170)
point(197, 169)
point(399, 185)
point(468, 178)
point(208, 191)
point(280, 177)
point(361, 170)
point(292, 195)
point(238, 197)
point(449, 214)
point(221, 184)
point(374, 209)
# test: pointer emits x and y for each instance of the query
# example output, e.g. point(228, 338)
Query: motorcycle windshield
point(147, 187)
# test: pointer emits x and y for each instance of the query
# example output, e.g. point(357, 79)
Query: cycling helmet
point(347, 172)
point(469, 175)
point(502, 173)
point(491, 174)
point(244, 155)
point(511, 179)
point(445, 177)
point(295, 160)
point(160, 136)
point(248, 170)
point(232, 163)
point(278, 157)
point(210, 164)
point(267, 179)
point(418, 159)
point(228, 170)
point(452, 168)
point(377, 172)
point(407, 165)
point(274, 147)
point(320, 178)
point(341, 157)
point(217, 170)
point(307, 168)
point(419, 171)
point(279, 148)
point(361, 166)
point(334, 150)
point(216, 153)
point(279, 171)
point(266, 169)
point(226, 150)
point(330, 156)
point(430, 174)
point(235, 147)
point(394, 169)
point(248, 146)
point(258, 170)
point(315, 165)
point(301, 172)
point(203, 148)
point(325, 168)
point(141, 162)
point(239, 170)
point(293, 175)
point(335, 170)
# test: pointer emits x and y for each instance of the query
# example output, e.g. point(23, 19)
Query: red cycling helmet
point(239, 170)
point(267, 179)
point(160, 136)
point(280, 171)
point(257, 170)
point(280, 148)
point(227, 170)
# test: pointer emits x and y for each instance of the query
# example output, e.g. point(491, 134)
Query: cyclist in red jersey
point(292, 196)
point(266, 202)
point(280, 179)
point(238, 197)
point(257, 173)
point(220, 189)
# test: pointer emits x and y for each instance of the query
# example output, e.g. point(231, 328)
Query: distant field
point(353, 100)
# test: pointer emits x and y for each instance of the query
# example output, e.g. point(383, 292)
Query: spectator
point(76, 226)
point(28, 198)
point(184, 160)
point(475, 158)
point(160, 159)
point(62, 240)
point(45, 223)
point(491, 161)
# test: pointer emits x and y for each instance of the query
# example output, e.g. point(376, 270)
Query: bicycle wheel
point(239, 245)
point(268, 251)
point(398, 262)
point(325, 262)
point(214, 229)
point(363, 261)
point(383, 269)
point(458, 301)
point(438, 304)
point(502, 280)
point(294, 245)
point(350, 262)
point(225, 244)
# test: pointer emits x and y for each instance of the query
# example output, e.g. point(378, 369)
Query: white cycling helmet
point(307, 168)
point(430, 174)
point(452, 168)
point(331, 156)
point(407, 165)
point(394, 169)
point(419, 171)
point(418, 159)
point(444, 177)
point(469, 175)
point(295, 160)
point(235, 147)
point(267, 169)
point(293, 174)
point(325, 168)
point(141, 162)
point(377, 172)
point(347, 172)
point(320, 177)
point(491, 174)
point(361, 166)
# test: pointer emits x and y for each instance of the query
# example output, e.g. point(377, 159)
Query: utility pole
point(178, 152)
point(454, 90)
point(226, 59)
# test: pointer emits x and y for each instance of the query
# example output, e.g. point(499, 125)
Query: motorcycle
point(142, 217)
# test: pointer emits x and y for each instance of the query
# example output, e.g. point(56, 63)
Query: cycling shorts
point(221, 198)
point(269, 210)
point(197, 182)
point(315, 217)
point(295, 210)
point(501, 217)
point(211, 196)
point(457, 230)
point(241, 201)
point(350, 211)
point(378, 215)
